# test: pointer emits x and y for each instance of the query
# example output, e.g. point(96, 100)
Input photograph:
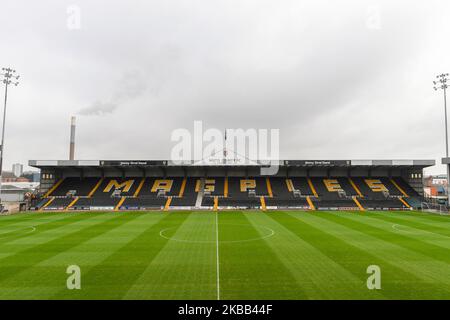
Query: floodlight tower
point(9, 77)
point(441, 83)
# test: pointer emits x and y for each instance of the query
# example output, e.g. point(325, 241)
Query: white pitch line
point(270, 234)
point(6, 235)
point(396, 227)
point(217, 257)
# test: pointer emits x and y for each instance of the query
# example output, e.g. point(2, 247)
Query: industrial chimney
point(72, 139)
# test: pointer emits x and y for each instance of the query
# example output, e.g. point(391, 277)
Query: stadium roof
point(230, 163)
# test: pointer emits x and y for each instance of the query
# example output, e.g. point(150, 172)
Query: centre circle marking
point(269, 234)
point(397, 227)
point(17, 232)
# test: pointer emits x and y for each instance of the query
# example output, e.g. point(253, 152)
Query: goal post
point(434, 208)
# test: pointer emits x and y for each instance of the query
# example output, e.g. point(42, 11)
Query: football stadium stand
point(164, 185)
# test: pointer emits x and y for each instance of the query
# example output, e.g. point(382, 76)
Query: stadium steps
point(414, 202)
point(313, 189)
point(225, 187)
point(406, 204)
point(290, 185)
point(269, 188)
point(52, 189)
point(355, 187)
point(201, 192)
point(41, 203)
point(183, 187)
point(406, 187)
point(263, 204)
point(94, 189)
point(167, 205)
point(139, 188)
point(399, 188)
point(117, 207)
point(216, 203)
point(71, 204)
point(47, 203)
point(361, 208)
point(311, 204)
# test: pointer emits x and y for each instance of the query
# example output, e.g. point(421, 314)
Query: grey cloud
point(131, 85)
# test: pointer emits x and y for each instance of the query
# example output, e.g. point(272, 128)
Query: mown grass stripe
point(441, 218)
point(12, 266)
point(185, 267)
point(416, 224)
point(384, 230)
point(43, 234)
point(252, 269)
point(388, 245)
point(342, 253)
point(352, 252)
point(40, 225)
point(311, 256)
point(425, 233)
point(115, 275)
point(319, 276)
point(96, 250)
point(25, 218)
point(50, 274)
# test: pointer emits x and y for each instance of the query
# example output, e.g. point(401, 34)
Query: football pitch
point(225, 255)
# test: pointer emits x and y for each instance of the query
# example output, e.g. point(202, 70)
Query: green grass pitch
point(229, 255)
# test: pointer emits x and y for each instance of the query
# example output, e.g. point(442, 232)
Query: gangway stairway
point(201, 192)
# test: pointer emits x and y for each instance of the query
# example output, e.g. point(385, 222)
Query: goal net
point(435, 208)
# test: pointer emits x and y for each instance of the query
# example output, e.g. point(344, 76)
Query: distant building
point(17, 169)
point(10, 177)
point(24, 185)
point(33, 176)
point(435, 186)
point(12, 193)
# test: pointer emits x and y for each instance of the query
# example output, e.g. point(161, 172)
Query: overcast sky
point(340, 79)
